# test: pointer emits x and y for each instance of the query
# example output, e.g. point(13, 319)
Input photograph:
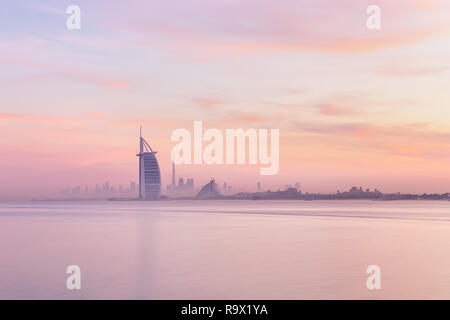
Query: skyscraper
point(173, 174)
point(149, 173)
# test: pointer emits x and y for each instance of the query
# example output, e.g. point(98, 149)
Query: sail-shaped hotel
point(149, 173)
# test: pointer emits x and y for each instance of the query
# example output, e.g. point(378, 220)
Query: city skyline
point(182, 190)
point(188, 191)
point(353, 105)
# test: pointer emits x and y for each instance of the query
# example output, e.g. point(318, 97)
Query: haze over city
point(354, 107)
point(212, 158)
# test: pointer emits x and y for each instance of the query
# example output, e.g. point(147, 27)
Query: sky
point(354, 106)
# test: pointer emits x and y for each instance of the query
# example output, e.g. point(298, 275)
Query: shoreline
point(224, 198)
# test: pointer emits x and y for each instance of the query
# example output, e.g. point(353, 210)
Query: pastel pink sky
point(354, 106)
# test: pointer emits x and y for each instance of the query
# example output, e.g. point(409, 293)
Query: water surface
point(225, 249)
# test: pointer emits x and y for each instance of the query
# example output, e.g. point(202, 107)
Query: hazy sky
point(354, 106)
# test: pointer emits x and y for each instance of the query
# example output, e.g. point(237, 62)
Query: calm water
point(225, 250)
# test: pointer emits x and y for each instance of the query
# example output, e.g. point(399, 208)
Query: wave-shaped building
point(209, 191)
point(149, 173)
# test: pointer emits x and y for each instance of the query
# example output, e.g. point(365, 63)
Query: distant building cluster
point(291, 192)
point(353, 194)
point(288, 193)
point(359, 193)
point(100, 191)
point(182, 190)
point(226, 189)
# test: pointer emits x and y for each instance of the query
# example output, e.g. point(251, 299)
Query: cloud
point(335, 111)
point(96, 115)
point(410, 71)
point(155, 122)
point(65, 72)
point(315, 26)
point(415, 139)
point(207, 104)
point(41, 119)
point(233, 118)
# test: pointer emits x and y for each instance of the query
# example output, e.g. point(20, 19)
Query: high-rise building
point(173, 174)
point(149, 173)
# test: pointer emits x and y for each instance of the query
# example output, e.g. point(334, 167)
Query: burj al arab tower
point(149, 173)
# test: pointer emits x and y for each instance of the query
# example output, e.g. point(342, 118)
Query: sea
point(280, 249)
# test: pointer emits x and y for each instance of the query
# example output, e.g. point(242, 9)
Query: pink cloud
point(35, 118)
point(238, 118)
point(207, 103)
point(416, 140)
point(317, 26)
point(78, 74)
point(331, 110)
point(410, 71)
point(96, 115)
point(155, 122)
